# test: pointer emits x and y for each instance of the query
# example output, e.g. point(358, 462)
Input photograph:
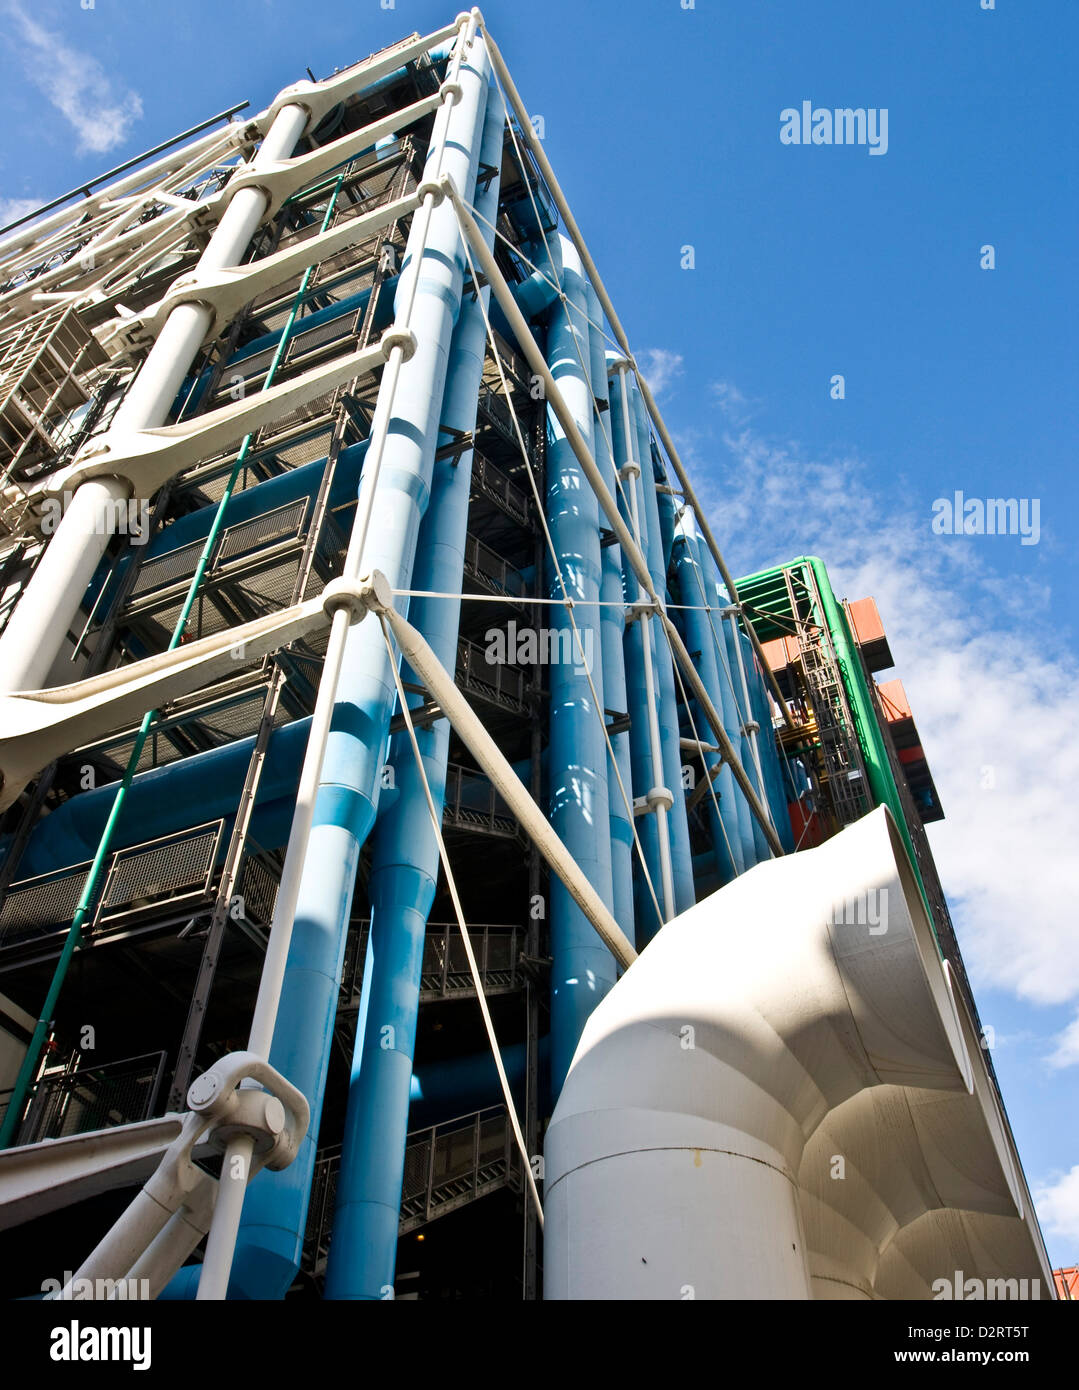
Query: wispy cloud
point(1058, 1205)
point(660, 367)
point(736, 407)
point(11, 209)
point(994, 705)
point(99, 110)
point(1067, 1047)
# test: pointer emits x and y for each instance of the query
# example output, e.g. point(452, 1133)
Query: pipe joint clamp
point(375, 592)
point(347, 594)
point(402, 338)
point(659, 796)
point(451, 89)
point(751, 727)
point(630, 469)
point(643, 608)
point(431, 188)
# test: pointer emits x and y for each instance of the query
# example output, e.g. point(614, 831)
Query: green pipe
point(24, 1081)
point(878, 766)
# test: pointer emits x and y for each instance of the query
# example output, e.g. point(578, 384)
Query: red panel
point(1067, 1282)
point(780, 653)
point(866, 621)
point(894, 699)
point(809, 823)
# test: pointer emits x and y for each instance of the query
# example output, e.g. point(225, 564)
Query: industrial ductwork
point(782, 1098)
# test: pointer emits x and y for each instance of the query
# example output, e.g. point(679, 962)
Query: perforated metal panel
point(279, 524)
point(164, 868)
point(50, 899)
point(168, 568)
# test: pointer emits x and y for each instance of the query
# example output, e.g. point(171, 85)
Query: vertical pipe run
point(583, 970)
point(405, 857)
point(645, 745)
point(667, 704)
point(612, 633)
point(700, 639)
point(750, 722)
point(394, 493)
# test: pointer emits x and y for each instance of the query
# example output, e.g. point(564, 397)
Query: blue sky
point(663, 124)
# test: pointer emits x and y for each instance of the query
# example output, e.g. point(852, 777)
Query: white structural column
point(35, 634)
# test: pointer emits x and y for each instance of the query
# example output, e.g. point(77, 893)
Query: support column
point(35, 634)
point(583, 969)
point(405, 858)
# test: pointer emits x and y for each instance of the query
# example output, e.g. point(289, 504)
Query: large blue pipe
point(439, 1091)
point(192, 390)
point(638, 697)
point(776, 779)
point(180, 794)
point(728, 685)
point(405, 857)
point(583, 970)
point(735, 654)
point(271, 1236)
point(699, 639)
point(612, 637)
point(657, 556)
point(244, 506)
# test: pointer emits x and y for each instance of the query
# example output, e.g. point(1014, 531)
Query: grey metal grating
point(168, 568)
point(49, 898)
point(281, 523)
point(181, 861)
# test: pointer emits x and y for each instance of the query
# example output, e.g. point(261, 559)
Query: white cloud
point(75, 83)
point(733, 402)
point(1067, 1047)
point(994, 704)
point(1058, 1205)
point(11, 209)
point(660, 367)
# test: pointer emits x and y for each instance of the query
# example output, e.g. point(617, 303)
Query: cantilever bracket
point(224, 291)
point(149, 458)
point(41, 725)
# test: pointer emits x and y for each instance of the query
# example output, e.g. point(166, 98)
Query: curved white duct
point(673, 1155)
point(890, 1155)
point(966, 1255)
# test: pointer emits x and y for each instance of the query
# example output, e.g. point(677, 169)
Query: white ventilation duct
point(799, 1016)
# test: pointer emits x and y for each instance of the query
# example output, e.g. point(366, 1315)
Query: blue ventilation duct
point(405, 858)
point(583, 970)
point(271, 1236)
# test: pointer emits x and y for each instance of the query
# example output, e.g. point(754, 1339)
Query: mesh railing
point(488, 569)
point(498, 681)
point(80, 1099)
point(472, 803)
point(173, 869)
point(444, 970)
point(446, 1167)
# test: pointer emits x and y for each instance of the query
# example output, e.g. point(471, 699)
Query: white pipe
point(38, 627)
point(228, 1208)
point(220, 1249)
point(673, 1155)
